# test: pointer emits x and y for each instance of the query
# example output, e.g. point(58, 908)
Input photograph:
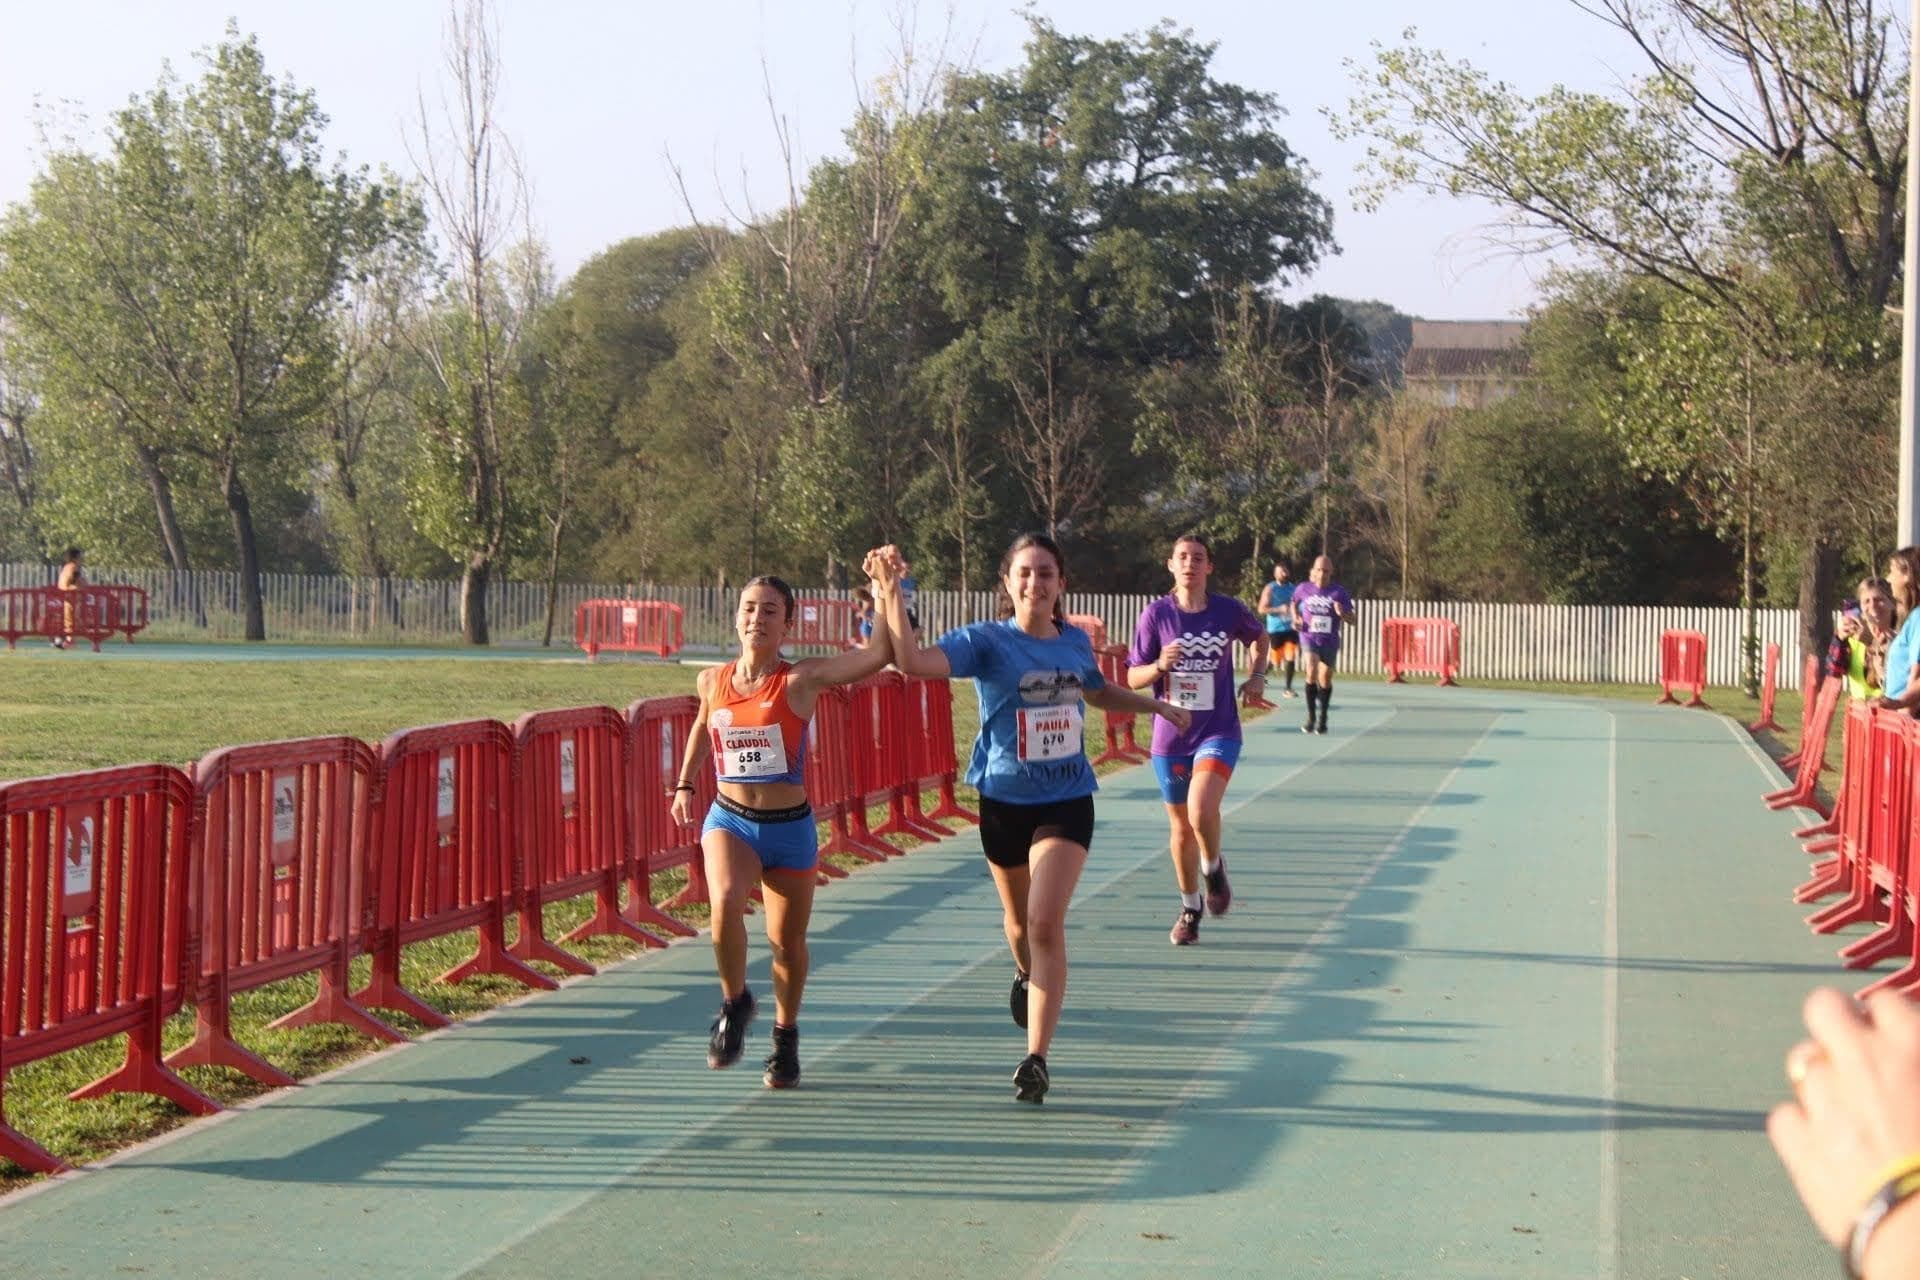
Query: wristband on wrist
point(1897, 1182)
point(683, 786)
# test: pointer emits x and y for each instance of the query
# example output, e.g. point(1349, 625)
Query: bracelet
point(684, 786)
point(1900, 1181)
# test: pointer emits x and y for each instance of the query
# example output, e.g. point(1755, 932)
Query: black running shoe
point(1219, 892)
point(1017, 1000)
point(1308, 726)
point(1322, 728)
point(783, 1064)
point(728, 1035)
point(1186, 928)
point(1030, 1080)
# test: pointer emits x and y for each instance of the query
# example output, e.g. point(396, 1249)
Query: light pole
point(1910, 287)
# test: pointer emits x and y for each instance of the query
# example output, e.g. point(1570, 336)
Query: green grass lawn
point(59, 715)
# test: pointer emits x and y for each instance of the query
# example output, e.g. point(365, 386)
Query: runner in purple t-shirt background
point(1323, 607)
point(1184, 642)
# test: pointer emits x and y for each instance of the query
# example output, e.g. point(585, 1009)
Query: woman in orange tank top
point(753, 719)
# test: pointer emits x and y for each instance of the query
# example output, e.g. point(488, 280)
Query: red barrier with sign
point(825, 622)
point(93, 897)
point(1121, 745)
point(279, 888)
point(571, 826)
point(443, 855)
point(629, 626)
point(657, 730)
point(1813, 751)
point(1426, 646)
point(1878, 873)
point(1683, 666)
point(1769, 677)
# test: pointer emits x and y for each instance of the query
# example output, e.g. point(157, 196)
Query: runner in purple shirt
point(1184, 646)
point(1323, 608)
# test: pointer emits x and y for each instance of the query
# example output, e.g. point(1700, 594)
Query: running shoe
point(783, 1064)
point(728, 1035)
point(1308, 726)
point(1288, 693)
point(1323, 725)
point(1219, 892)
point(1186, 928)
point(1030, 1080)
point(1017, 1000)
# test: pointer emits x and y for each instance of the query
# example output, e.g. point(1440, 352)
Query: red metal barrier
point(1769, 676)
point(1427, 646)
point(1683, 665)
point(93, 896)
point(936, 760)
point(279, 888)
point(1121, 745)
point(1813, 752)
point(570, 826)
point(831, 787)
point(1845, 834)
point(629, 626)
point(882, 766)
point(657, 731)
point(443, 855)
point(84, 613)
point(1094, 625)
point(825, 622)
point(1809, 686)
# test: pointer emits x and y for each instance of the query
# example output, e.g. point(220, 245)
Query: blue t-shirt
point(1031, 748)
point(1902, 654)
point(1280, 594)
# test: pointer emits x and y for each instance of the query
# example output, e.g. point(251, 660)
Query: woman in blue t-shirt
point(1032, 671)
point(1903, 575)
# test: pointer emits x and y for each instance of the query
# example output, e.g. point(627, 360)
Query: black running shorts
point(1009, 831)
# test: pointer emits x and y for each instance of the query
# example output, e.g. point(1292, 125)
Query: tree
point(469, 340)
point(1397, 475)
point(176, 294)
point(18, 531)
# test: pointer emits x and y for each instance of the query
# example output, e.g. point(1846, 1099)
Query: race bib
point(1049, 733)
point(1320, 624)
point(749, 753)
point(1191, 690)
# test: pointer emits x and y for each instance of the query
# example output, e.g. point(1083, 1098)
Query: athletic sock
point(1192, 902)
point(1289, 675)
point(1313, 698)
point(1208, 865)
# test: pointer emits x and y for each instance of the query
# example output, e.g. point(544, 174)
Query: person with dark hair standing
point(753, 718)
point(1902, 691)
point(1322, 608)
point(1283, 638)
point(1183, 646)
point(72, 577)
point(1033, 673)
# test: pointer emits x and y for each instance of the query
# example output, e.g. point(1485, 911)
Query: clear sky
point(598, 91)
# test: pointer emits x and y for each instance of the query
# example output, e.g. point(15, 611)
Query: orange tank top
point(756, 736)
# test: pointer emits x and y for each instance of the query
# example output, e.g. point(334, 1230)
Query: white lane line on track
point(953, 976)
point(1154, 1130)
point(1610, 1021)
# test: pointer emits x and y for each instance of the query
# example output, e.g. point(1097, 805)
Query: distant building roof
point(1467, 349)
point(1483, 334)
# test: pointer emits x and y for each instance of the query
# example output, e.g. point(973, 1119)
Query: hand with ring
point(1855, 1115)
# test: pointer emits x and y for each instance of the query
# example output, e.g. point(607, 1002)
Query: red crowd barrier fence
point(825, 622)
point(1813, 751)
point(935, 761)
point(92, 614)
point(1121, 744)
point(1683, 666)
point(629, 626)
point(1809, 686)
point(444, 855)
point(93, 885)
point(1769, 678)
point(1094, 625)
point(570, 825)
point(882, 767)
point(279, 888)
point(831, 787)
point(1427, 646)
point(657, 730)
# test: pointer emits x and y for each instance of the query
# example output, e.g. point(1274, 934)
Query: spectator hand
point(1856, 1107)
point(1849, 626)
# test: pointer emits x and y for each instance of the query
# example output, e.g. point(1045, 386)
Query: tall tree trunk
point(243, 540)
point(1819, 570)
point(172, 539)
point(473, 598)
point(553, 579)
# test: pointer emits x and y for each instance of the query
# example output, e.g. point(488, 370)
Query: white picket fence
point(1584, 644)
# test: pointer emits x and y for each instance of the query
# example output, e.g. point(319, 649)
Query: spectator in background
point(72, 577)
point(1858, 653)
point(863, 614)
point(1850, 1138)
point(1903, 653)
